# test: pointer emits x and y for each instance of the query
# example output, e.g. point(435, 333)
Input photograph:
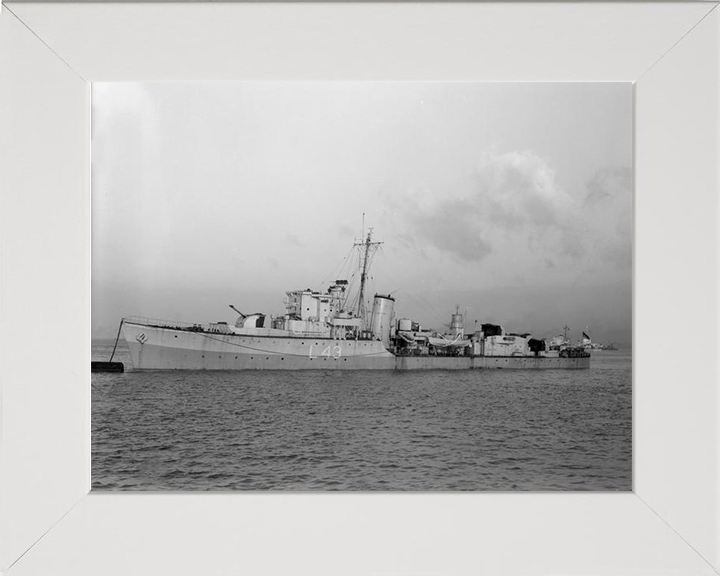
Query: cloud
point(515, 189)
point(513, 193)
point(512, 207)
point(451, 227)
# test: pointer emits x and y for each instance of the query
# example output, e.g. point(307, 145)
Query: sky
point(512, 201)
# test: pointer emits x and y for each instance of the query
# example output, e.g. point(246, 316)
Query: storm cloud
point(512, 220)
point(508, 194)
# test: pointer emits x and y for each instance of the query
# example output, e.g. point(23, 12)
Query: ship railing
point(176, 324)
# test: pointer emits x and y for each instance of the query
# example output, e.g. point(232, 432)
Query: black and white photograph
point(362, 286)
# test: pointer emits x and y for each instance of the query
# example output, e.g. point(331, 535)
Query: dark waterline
point(323, 430)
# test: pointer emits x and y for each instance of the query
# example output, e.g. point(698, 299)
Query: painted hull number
point(330, 352)
point(334, 351)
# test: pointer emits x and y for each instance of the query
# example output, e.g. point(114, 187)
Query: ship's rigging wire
point(366, 254)
point(351, 299)
point(353, 295)
point(345, 271)
point(349, 268)
point(338, 275)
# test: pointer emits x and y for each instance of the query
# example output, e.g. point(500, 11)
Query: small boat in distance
point(334, 329)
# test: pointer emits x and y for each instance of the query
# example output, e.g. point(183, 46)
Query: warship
point(332, 330)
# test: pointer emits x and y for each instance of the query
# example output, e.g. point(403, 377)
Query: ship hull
point(162, 348)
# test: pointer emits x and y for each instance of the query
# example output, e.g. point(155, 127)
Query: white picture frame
point(50, 53)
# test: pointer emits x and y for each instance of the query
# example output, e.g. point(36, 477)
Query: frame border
point(48, 521)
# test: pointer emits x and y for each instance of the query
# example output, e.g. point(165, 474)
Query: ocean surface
point(498, 430)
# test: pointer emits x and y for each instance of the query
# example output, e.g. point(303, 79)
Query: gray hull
point(162, 348)
point(490, 362)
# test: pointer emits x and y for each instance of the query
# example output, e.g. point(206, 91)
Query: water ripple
point(473, 430)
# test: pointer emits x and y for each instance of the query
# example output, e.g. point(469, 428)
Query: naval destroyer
point(331, 330)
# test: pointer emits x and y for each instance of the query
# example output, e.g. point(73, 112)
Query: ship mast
point(366, 247)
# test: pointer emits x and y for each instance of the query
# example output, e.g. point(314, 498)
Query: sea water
point(438, 430)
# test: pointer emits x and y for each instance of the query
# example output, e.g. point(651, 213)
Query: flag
point(586, 336)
